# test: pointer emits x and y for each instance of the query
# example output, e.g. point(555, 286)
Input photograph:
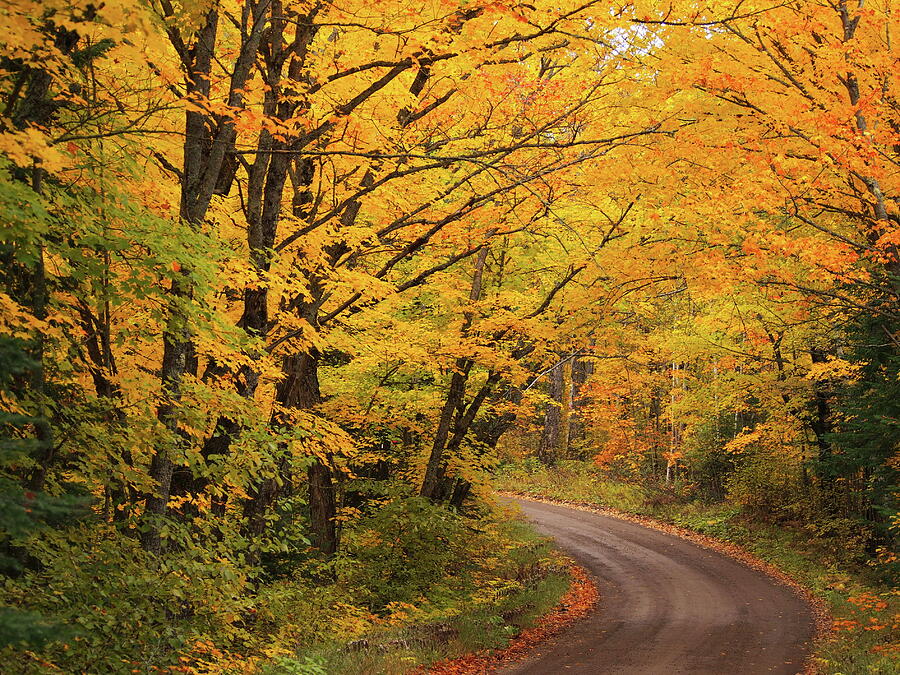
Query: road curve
point(667, 605)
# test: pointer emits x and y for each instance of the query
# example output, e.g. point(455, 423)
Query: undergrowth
point(476, 626)
point(437, 590)
point(414, 582)
point(862, 596)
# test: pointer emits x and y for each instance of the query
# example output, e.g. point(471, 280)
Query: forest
point(291, 288)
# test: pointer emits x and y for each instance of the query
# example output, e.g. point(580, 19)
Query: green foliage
point(25, 629)
point(128, 610)
point(867, 439)
point(399, 552)
point(307, 665)
point(26, 221)
point(23, 513)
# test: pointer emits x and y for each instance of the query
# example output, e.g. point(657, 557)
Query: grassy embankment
point(862, 600)
point(500, 579)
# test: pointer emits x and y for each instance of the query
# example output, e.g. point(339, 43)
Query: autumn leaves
point(392, 220)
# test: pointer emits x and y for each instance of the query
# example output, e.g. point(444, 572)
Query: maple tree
point(273, 265)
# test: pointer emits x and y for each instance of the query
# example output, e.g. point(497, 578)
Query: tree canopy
point(277, 271)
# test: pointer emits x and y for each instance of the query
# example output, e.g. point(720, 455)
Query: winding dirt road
point(667, 605)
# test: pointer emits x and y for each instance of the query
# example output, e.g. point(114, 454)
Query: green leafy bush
point(126, 609)
point(399, 552)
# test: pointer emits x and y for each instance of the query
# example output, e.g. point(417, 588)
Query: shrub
point(397, 553)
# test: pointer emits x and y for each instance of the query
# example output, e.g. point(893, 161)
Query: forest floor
point(517, 590)
point(578, 603)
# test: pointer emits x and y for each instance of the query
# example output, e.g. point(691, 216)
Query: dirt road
point(667, 606)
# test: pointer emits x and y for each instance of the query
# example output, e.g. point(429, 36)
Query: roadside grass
point(571, 480)
point(473, 630)
point(863, 602)
point(526, 580)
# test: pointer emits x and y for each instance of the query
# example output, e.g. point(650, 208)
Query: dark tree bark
point(549, 446)
point(206, 145)
point(490, 429)
point(821, 422)
point(300, 390)
point(178, 353)
point(434, 472)
point(322, 508)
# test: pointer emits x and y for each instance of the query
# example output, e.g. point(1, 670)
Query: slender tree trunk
point(821, 426)
point(549, 447)
point(565, 411)
point(671, 463)
point(177, 345)
point(581, 370)
point(43, 431)
point(35, 107)
point(435, 469)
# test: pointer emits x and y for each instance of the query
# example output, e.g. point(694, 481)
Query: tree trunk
point(821, 424)
point(36, 107)
point(322, 508)
point(206, 146)
point(435, 470)
point(549, 447)
point(489, 430)
point(565, 411)
point(43, 431)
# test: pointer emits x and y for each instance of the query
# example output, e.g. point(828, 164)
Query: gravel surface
point(667, 605)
